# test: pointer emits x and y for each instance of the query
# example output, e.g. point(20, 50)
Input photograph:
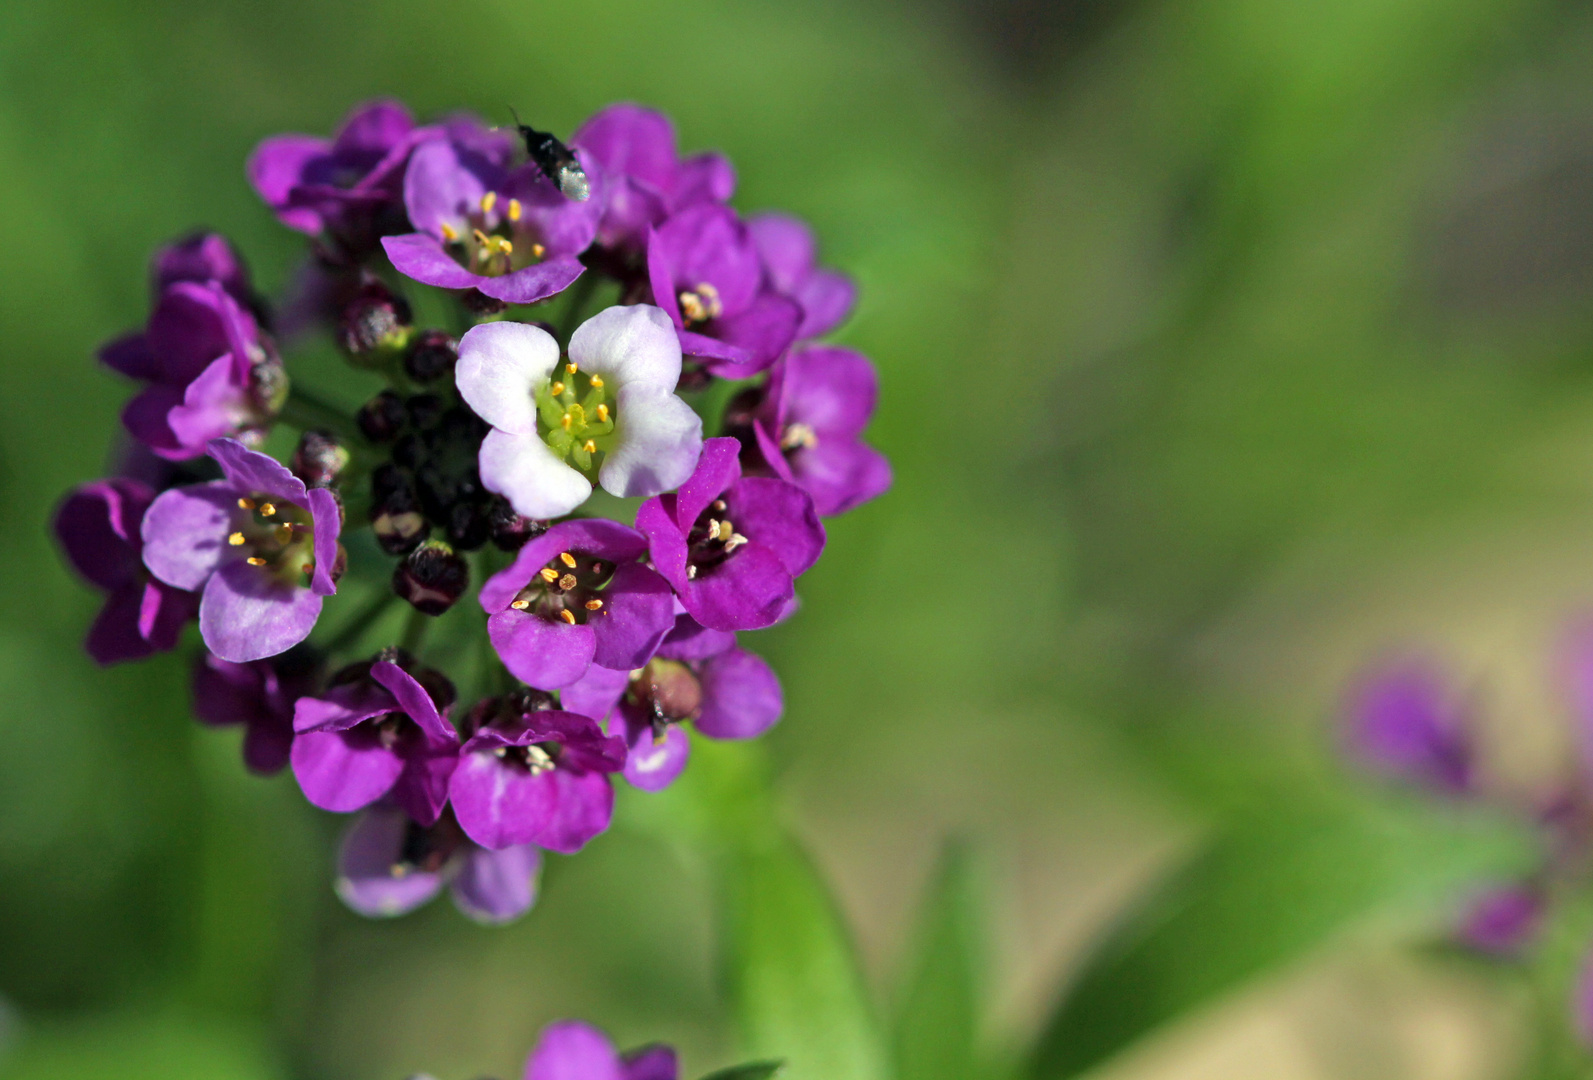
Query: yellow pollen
point(567, 582)
point(398, 870)
point(568, 616)
point(590, 446)
point(236, 539)
point(481, 237)
point(567, 559)
point(537, 251)
point(570, 368)
point(488, 201)
point(255, 560)
point(549, 574)
point(557, 389)
point(594, 605)
point(514, 209)
point(597, 382)
point(450, 234)
point(566, 422)
point(267, 509)
point(520, 605)
point(725, 531)
point(245, 504)
point(505, 246)
point(602, 413)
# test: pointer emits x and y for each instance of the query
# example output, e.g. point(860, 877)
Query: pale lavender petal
point(841, 475)
point(540, 652)
point(255, 472)
point(536, 481)
point(500, 366)
point(443, 183)
point(185, 532)
point(741, 697)
point(421, 256)
point(787, 247)
point(653, 764)
point(826, 299)
point(343, 771)
point(831, 390)
point(245, 615)
point(495, 887)
point(327, 518)
point(660, 441)
point(371, 877)
point(703, 178)
point(633, 344)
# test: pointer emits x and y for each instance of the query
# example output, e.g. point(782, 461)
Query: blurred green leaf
point(795, 979)
point(1264, 891)
point(752, 1070)
point(937, 1022)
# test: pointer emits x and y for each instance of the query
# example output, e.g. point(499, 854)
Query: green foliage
point(753, 1070)
point(937, 1020)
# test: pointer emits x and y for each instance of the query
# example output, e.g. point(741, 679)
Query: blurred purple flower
point(202, 257)
point(1503, 920)
point(260, 695)
point(572, 1050)
point(1401, 722)
point(789, 253)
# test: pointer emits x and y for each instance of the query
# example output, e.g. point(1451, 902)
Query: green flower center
point(279, 538)
point(577, 419)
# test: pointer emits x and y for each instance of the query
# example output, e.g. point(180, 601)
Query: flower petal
point(498, 803)
point(496, 887)
point(596, 693)
point(185, 532)
point(536, 482)
point(629, 344)
point(780, 517)
point(540, 652)
point(584, 808)
point(98, 527)
point(256, 473)
point(421, 256)
point(245, 615)
point(741, 697)
point(366, 880)
point(660, 442)
point(534, 283)
point(500, 366)
point(638, 610)
point(343, 771)
point(653, 764)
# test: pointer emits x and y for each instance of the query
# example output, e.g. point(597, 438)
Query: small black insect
point(555, 161)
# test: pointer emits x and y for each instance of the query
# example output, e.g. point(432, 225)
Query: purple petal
point(114, 636)
point(841, 475)
point(421, 256)
point(1401, 724)
point(563, 226)
point(583, 809)
point(596, 537)
point(342, 707)
point(748, 591)
point(656, 1062)
point(131, 356)
point(371, 850)
point(757, 335)
point(257, 473)
point(652, 765)
point(717, 469)
point(690, 640)
point(703, 178)
point(500, 804)
point(185, 532)
point(267, 747)
point(1503, 920)
point(638, 610)
point(327, 518)
point(741, 697)
point(163, 611)
point(831, 390)
point(372, 129)
point(343, 771)
point(443, 184)
point(194, 323)
point(277, 165)
point(596, 693)
point(215, 404)
point(704, 244)
point(422, 788)
point(202, 257)
point(780, 517)
point(571, 1050)
point(145, 417)
point(628, 140)
point(247, 615)
point(496, 887)
point(98, 527)
point(534, 283)
point(540, 652)
point(786, 245)
point(826, 299)
point(665, 540)
point(413, 699)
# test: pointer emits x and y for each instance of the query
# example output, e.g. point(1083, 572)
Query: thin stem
point(305, 409)
point(580, 295)
point(415, 628)
point(361, 621)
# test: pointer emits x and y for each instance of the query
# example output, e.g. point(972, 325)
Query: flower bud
point(424, 410)
point(431, 356)
point(375, 320)
point(479, 303)
point(468, 526)
point(432, 578)
point(395, 512)
point(511, 531)
point(382, 417)
point(319, 458)
point(668, 690)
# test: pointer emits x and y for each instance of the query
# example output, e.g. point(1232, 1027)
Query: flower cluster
point(616, 325)
point(573, 1050)
point(1405, 721)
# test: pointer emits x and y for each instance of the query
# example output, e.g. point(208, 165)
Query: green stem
point(415, 628)
point(580, 295)
point(304, 409)
point(361, 622)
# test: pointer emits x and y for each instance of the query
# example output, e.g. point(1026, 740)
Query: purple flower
point(731, 546)
point(789, 253)
point(201, 257)
point(248, 541)
point(509, 233)
point(373, 737)
point(388, 865)
point(576, 596)
point(699, 675)
point(1402, 723)
point(532, 775)
point(260, 695)
point(347, 187)
point(209, 371)
point(706, 274)
point(612, 409)
point(1503, 920)
point(635, 147)
point(98, 526)
point(808, 430)
point(571, 1050)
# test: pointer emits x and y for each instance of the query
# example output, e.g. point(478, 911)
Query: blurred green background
point(1222, 343)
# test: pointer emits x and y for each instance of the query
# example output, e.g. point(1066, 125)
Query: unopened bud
point(395, 512)
point(376, 319)
point(432, 577)
point(431, 356)
point(319, 458)
point(511, 531)
point(424, 410)
point(474, 300)
point(668, 690)
point(382, 417)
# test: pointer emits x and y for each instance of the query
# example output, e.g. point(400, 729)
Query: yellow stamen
point(557, 389)
point(514, 209)
point(245, 504)
point(549, 574)
point(590, 446)
point(566, 422)
point(567, 582)
point(488, 201)
point(570, 368)
point(594, 605)
point(520, 605)
point(568, 617)
point(725, 531)
point(567, 559)
point(450, 234)
point(537, 251)
point(255, 560)
point(236, 539)
point(602, 413)
point(267, 509)
point(597, 382)
point(505, 246)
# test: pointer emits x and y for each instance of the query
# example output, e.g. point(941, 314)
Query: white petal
point(523, 470)
point(500, 366)
point(660, 441)
point(632, 344)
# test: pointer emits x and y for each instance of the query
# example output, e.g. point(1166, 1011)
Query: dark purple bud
point(432, 578)
point(667, 690)
point(479, 303)
point(382, 417)
point(319, 458)
point(424, 410)
point(375, 320)
point(409, 451)
point(395, 512)
point(468, 526)
point(510, 530)
point(431, 357)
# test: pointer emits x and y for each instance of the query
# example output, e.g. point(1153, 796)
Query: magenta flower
point(209, 371)
point(201, 257)
point(612, 410)
point(98, 526)
point(647, 180)
point(260, 695)
point(509, 233)
point(572, 1050)
point(810, 425)
point(706, 274)
point(249, 541)
point(576, 596)
point(789, 253)
point(534, 776)
point(699, 675)
point(731, 546)
point(1402, 723)
point(372, 737)
point(348, 187)
point(388, 865)
point(1503, 920)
